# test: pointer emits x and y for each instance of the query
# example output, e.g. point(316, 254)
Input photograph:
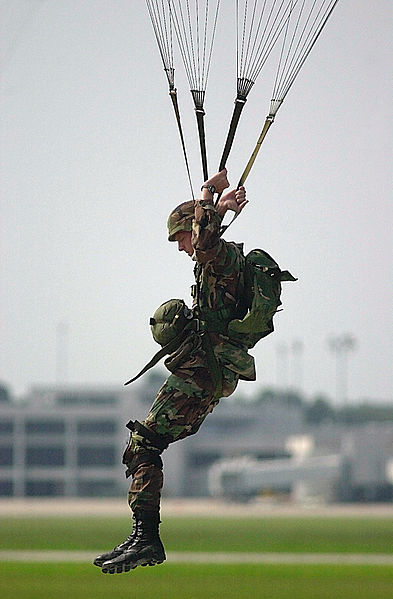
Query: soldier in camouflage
point(204, 368)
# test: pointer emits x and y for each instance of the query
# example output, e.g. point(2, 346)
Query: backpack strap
point(223, 228)
point(214, 367)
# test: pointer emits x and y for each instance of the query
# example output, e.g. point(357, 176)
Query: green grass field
point(315, 535)
point(189, 581)
point(168, 581)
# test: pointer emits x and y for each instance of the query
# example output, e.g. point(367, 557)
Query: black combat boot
point(118, 550)
point(146, 549)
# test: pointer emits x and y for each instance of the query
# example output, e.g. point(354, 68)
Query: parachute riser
point(268, 122)
point(200, 113)
point(239, 105)
point(244, 86)
point(173, 96)
point(199, 98)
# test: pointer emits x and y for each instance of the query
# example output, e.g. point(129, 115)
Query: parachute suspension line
point(276, 19)
point(163, 33)
point(193, 71)
point(270, 118)
point(198, 102)
point(258, 29)
point(162, 26)
point(240, 101)
point(280, 61)
point(306, 39)
point(300, 35)
point(283, 85)
point(195, 35)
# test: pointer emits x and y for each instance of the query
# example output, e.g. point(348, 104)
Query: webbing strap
point(239, 105)
point(159, 441)
point(167, 349)
point(142, 459)
point(213, 315)
point(214, 367)
point(175, 343)
point(268, 122)
point(202, 141)
point(223, 228)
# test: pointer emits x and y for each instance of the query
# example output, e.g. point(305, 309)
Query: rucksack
point(262, 279)
point(170, 325)
point(261, 297)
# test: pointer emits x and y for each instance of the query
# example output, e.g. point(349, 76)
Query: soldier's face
point(183, 239)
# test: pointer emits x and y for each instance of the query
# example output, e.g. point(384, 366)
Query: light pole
point(341, 346)
point(62, 331)
point(290, 365)
point(297, 364)
point(282, 366)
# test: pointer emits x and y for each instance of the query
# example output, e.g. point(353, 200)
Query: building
point(329, 464)
point(62, 442)
point(69, 442)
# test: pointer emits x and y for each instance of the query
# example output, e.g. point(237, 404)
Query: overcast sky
point(92, 165)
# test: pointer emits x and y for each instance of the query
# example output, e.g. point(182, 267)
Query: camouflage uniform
point(192, 390)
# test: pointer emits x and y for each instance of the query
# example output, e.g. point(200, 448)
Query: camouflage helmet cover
point(180, 219)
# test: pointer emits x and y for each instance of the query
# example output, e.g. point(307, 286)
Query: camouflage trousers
point(181, 405)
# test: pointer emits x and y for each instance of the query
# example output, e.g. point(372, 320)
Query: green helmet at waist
point(170, 320)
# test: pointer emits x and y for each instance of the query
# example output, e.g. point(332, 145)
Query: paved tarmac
point(189, 557)
point(34, 506)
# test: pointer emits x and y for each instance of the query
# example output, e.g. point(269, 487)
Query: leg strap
point(138, 459)
point(159, 441)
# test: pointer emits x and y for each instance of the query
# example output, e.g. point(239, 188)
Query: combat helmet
point(180, 219)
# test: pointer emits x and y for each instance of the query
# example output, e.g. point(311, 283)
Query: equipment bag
point(262, 291)
point(169, 320)
point(170, 324)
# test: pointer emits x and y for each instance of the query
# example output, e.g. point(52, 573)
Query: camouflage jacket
point(218, 288)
